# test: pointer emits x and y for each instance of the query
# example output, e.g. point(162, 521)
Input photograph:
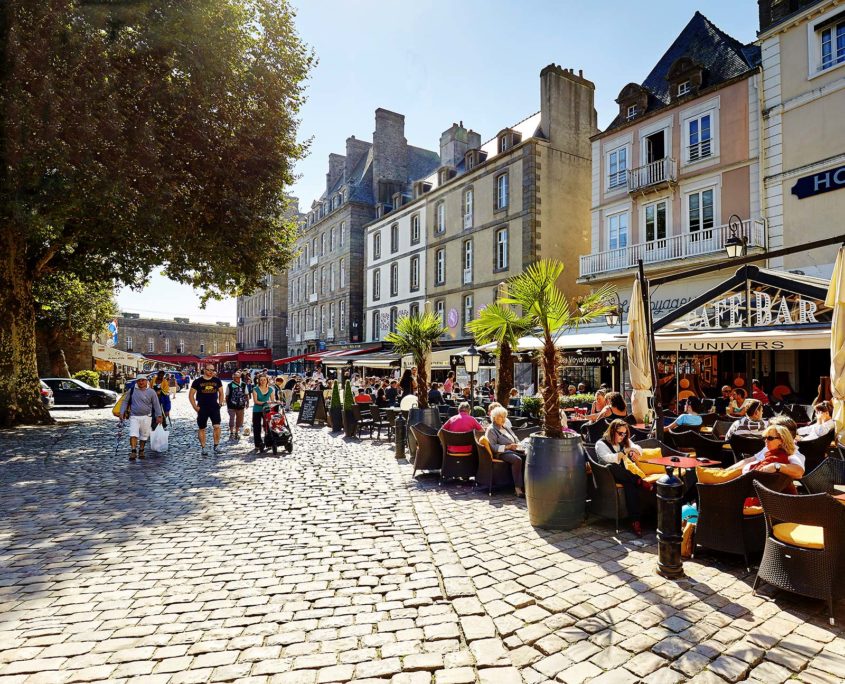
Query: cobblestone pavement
point(332, 565)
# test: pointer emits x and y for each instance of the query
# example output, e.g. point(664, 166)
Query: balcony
point(653, 176)
point(686, 246)
point(309, 335)
point(312, 298)
point(467, 276)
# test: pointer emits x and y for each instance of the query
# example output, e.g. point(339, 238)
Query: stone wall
point(194, 335)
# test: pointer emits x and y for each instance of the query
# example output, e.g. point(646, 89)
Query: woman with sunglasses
point(610, 449)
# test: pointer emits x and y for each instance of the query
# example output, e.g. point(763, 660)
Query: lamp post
point(471, 361)
point(736, 245)
point(615, 316)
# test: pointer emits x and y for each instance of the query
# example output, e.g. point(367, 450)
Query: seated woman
point(514, 399)
point(690, 415)
point(494, 405)
point(598, 404)
point(824, 422)
point(610, 449)
point(615, 408)
point(752, 421)
point(780, 433)
point(505, 445)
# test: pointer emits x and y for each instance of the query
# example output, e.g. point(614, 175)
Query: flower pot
point(350, 423)
point(336, 419)
point(427, 416)
point(555, 482)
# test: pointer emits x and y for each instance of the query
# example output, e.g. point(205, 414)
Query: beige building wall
point(803, 117)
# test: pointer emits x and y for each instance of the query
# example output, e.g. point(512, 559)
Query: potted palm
point(416, 335)
point(555, 476)
point(350, 421)
point(336, 408)
point(499, 323)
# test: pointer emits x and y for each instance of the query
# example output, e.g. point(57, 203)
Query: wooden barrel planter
point(427, 416)
point(556, 482)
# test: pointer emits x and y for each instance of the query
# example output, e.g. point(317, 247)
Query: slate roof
point(721, 56)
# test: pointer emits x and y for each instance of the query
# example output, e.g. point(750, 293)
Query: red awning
point(256, 356)
point(185, 359)
point(221, 357)
point(319, 356)
point(335, 353)
point(289, 359)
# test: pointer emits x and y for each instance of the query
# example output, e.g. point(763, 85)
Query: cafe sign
point(763, 309)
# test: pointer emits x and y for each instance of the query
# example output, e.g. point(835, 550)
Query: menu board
point(312, 408)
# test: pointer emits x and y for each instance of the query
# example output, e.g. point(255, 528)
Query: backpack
point(237, 397)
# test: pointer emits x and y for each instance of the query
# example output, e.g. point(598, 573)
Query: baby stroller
point(277, 432)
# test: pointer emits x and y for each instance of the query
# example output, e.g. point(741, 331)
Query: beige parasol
point(836, 300)
point(638, 354)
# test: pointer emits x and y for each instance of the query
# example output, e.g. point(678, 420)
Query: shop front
point(759, 324)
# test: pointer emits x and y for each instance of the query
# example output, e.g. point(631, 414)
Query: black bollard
point(399, 436)
point(670, 494)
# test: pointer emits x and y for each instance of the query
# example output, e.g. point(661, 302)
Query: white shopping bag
point(158, 439)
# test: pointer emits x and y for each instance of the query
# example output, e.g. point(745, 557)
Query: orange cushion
point(459, 451)
point(716, 475)
point(805, 536)
point(752, 510)
point(651, 468)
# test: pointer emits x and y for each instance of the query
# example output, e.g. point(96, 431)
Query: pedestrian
point(262, 395)
point(162, 389)
point(142, 406)
point(237, 399)
point(407, 383)
point(206, 397)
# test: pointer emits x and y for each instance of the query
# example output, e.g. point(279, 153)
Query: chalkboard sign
point(312, 409)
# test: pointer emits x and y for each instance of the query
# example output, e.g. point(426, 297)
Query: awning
point(593, 340)
point(440, 358)
point(319, 356)
point(289, 359)
point(741, 340)
point(178, 359)
point(264, 355)
point(221, 357)
point(121, 358)
point(342, 356)
point(379, 360)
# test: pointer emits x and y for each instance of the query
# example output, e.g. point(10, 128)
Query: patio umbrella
point(836, 300)
point(638, 354)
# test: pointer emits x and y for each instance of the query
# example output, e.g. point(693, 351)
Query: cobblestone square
point(333, 565)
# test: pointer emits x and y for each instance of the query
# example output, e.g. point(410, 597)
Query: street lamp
point(615, 316)
point(736, 245)
point(471, 361)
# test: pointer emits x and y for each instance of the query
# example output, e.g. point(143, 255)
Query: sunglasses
point(769, 438)
point(622, 434)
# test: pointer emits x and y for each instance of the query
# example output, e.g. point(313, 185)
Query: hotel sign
point(818, 183)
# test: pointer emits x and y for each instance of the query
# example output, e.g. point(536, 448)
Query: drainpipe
point(761, 156)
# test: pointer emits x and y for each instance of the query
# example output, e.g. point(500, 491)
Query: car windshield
point(84, 384)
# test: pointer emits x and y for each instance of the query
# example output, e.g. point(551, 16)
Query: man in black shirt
point(206, 396)
point(721, 403)
point(392, 393)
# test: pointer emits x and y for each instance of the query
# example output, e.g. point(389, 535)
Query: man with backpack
point(237, 399)
point(139, 408)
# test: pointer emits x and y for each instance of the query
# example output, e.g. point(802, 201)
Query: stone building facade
point(325, 280)
point(491, 209)
point(176, 336)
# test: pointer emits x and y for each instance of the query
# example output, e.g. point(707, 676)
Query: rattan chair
point(723, 524)
point(815, 450)
point(458, 463)
point(702, 446)
point(665, 449)
point(492, 471)
point(429, 450)
point(365, 420)
point(820, 480)
point(592, 432)
point(607, 497)
point(721, 427)
point(379, 422)
point(709, 419)
point(811, 566)
point(746, 445)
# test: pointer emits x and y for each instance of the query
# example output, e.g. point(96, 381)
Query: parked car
point(47, 395)
point(70, 391)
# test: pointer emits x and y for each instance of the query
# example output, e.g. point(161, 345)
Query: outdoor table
point(705, 430)
point(683, 462)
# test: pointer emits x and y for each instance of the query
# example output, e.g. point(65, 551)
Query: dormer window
point(444, 174)
point(631, 112)
point(397, 200)
point(420, 188)
point(685, 77)
point(507, 139)
point(471, 159)
point(684, 88)
point(632, 101)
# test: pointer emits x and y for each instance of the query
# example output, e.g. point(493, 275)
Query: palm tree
point(536, 292)
point(501, 324)
point(416, 335)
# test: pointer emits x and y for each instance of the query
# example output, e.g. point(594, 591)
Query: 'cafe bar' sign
point(765, 311)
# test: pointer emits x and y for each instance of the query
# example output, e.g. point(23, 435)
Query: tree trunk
point(551, 403)
point(422, 381)
point(56, 354)
point(20, 391)
point(504, 374)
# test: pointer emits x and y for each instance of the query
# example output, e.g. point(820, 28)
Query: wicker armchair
point(745, 445)
point(365, 420)
point(815, 450)
point(805, 545)
point(724, 524)
point(709, 419)
point(429, 450)
point(492, 471)
point(381, 421)
point(702, 446)
point(458, 463)
point(820, 480)
point(608, 497)
point(665, 449)
point(592, 432)
point(721, 427)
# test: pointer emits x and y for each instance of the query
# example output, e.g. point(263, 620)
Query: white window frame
point(502, 190)
point(467, 205)
point(342, 231)
point(684, 88)
point(342, 314)
point(129, 345)
point(695, 113)
point(618, 180)
point(609, 229)
point(688, 228)
point(151, 345)
point(467, 262)
point(394, 279)
point(468, 310)
point(440, 267)
point(342, 273)
point(440, 217)
point(393, 317)
point(376, 325)
point(414, 309)
point(440, 310)
point(166, 345)
point(814, 44)
point(502, 246)
point(376, 245)
point(631, 112)
point(376, 284)
point(650, 244)
point(394, 238)
point(331, 239)
point(415, 273)
point(415, 229)
point(181, 348)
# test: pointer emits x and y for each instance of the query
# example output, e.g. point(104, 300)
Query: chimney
point(390, 155)
point(454, 143)
point(567, 114)
point(337, 165)
point(355, 150)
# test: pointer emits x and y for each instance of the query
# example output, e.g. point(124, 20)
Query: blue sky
point(441, 61)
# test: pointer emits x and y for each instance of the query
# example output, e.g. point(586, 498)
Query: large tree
point(136, 134)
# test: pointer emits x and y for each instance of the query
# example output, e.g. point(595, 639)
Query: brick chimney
point(337, 166)
point(567, 115)
point(355, 150)
point(390, 155)
point(454, 143)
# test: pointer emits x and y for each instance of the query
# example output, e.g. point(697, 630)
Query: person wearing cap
point(142, 406)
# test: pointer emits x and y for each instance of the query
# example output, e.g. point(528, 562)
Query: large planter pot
point(427, 416)
point(336, 419)
point(555, 482)
point(350, 423)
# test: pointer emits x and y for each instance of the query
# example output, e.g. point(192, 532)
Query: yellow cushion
point(717, 475)
point(632, 467)
point(752, 510)
point(805, 536)
point(484, 442)
point(651, 468)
